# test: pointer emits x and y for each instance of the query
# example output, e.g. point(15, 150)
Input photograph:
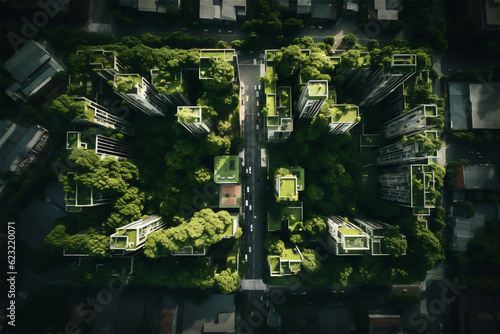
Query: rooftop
point(189, 114)
point(318, 88)
point(227, 169)
point(128, 83)
point(288, 188)
point(340, 113)
point(167, 82)
point(230, 195)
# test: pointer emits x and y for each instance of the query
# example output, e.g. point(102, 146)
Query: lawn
point(271, 105)
point(189, 115)
point(342, 113)
point(284, 96)
point(317, 89)
point(126, 83)
point(226, 55)
point(295, 215)
point(231, 260)
point(288, 187)
point(226, 168)
point(290, 254)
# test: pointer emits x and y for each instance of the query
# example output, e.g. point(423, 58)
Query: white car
point(250, 170)
point(257, 94)
point(251, 227)
point(246, 202)
point(248, 189)
point(246, 257)
point(249, 249)
point(250, 207)
point(255, 87)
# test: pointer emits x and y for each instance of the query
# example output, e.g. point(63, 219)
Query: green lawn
point(300, 174)
point(227, 168)
point(231, 260)
point(271, 105)
point(317, 89)
point(221, 54)
point(341, 113)
point(295, 215)
point(288, 188)
point(284, 96)
point(290, 254)
point(126, 83)
point(189, 115)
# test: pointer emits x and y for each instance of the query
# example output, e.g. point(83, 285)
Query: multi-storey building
point(286, 264)
point(32, 67)
point(409, 149)
point(109, 147)
point(105, 63)
point(412, 121)
point(81, 196)
point(345, 238)
point(288, 186)
point(20, 145)
point(314, 95)
point(95, 114)
point(227, 175)
point(382, 81)
point(131, 237)
point(206, 59)
point(343, 117)
point(140, 94)
point(375, 230)
point(191, 118)
point(173, 87)
point(407, 185)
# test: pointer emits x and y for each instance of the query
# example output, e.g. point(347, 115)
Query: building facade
point(131, 237)
point(314, 95)
point(407, 150)
point(191, 118)
point(412, 121)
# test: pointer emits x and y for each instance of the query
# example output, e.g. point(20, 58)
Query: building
point(227, 175)
point(288, 185)
point(20, 145)
point(474, 105)
point(131, 237)
point(384, 322)
point(463, 231)
point(105, 63)
point(382, 81)
point(95, 114)
point(345, 238)
point(386, 10)
point(485, 15)
point(410, 149)
point(376, 231)
point(151, 6)
point(222, 11)
point(80, 196)
point(137, 91)
point(215, 315)
point(417, 119)
point(286, 264)
point(173, 87)
point(407, 185)
point(33, 66)
point(313, 97)
point(287, 218)
point(351, 7)
point(476, 177)
point(208, 55)
point(343, 117)
point(191, 118)
point(109, 147)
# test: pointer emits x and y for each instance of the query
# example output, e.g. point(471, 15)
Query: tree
point(57, 238)
point(292, 25)
point(221, 74)
point(373, 44)
point(228, 282)
point(329, 40)
point(274, 245)
point(349, 39)
point(311, 262)
point(216, 145)
point(393, 243)
point(202, 175)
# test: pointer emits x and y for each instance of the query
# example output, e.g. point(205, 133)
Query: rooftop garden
point(105, 58)
point(294, 215)
point(417, 186)
point(353, 242)
point(273, 120)
point(226, 55)
point(290, 254)
point(125, 83)
point(300, 174)
point(288, 188)
point(271, 105)
point(73, 140)
point(318, 88)
point(189, 115)
point(231, 260)
point(284, 96)
point(340, 113)
point(205, 64)
point(167, 82)
point(286, 124)
point(227, 169)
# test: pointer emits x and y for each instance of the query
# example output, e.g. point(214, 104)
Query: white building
point(191, 118)
point(133, 236)
point(314, 95)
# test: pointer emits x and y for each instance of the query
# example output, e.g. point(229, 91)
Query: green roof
point(223, 54)
point(73, 140)
point(125, 83)
point(271, 105)
point(189, 115)
point(290, 254)
point(288, 188)
point(295, 215)
point(350, 231)
point(317, 89)
point(227, 169)
point(340, 113)
point(106, 58)
point(300, 174)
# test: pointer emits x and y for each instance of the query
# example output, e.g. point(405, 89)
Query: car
point(257, 126)
point(246, 257)
point(403, 291)
point(247, 170)
point(250, 207)
point(250, 170)
point(251, 227)
point(258, 114)
point(255, 87)
point(246, 202)
point(248, 189)
point(243, 102)
point(260, 87)
point(254, 217)
point(257, 94)
point(249, 249)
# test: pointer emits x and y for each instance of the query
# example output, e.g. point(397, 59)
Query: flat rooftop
point(227, 169)
point(317, 88)
point(189, 115)
point(485, 102)
point(288, 187)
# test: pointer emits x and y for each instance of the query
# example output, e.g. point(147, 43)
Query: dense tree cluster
point(204, 229)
